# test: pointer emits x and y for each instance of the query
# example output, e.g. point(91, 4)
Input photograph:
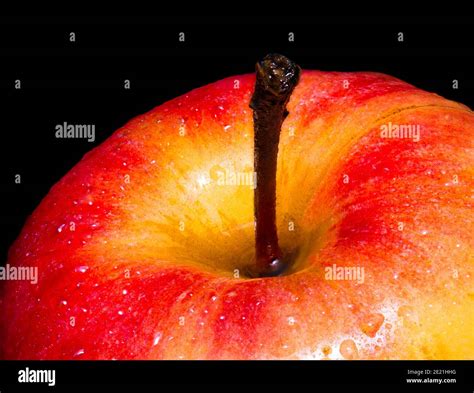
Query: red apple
point(143, 246)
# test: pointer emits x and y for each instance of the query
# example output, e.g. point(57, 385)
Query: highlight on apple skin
point(143, 246)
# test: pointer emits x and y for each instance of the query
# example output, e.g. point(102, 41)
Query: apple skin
point(138, 244)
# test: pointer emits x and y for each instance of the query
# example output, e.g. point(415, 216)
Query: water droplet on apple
point(405, 312)
point(214, 298)
point(181, 297)
point(372, 323)
point(226, 127)
point(64, 302)
point(295, 298)
point(61, 227)
point(326, 350)
point(120, 312)
point(79, 352)
point(156, 339)
point(222, 317)
point(348, 349)
point(124, 292)
point(81, 269)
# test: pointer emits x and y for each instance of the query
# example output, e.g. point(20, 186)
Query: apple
point(144, 248)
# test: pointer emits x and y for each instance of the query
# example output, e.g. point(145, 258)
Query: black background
point(333, 376)
point(83, 81)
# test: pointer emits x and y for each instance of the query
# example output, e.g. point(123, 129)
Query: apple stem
point(276, 79)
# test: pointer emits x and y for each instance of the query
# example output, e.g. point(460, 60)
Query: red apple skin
point(138, 244)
